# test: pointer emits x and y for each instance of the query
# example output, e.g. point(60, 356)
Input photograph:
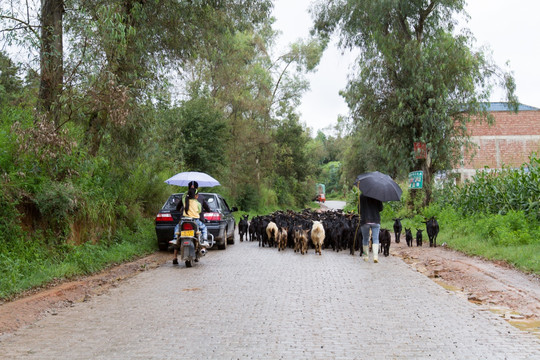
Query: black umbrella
point(378, 186)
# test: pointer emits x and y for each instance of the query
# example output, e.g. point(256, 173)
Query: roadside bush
point(510, 237)
point(268, 198)
point(510, 229)
point(57, 203)
point(283, 190)
point(247, 198)
point(31, 263)
point(302, 194)
point(352, 200)
point(10, 228)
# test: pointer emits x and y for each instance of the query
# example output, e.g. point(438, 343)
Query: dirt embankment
point(34, 304)
point(495, 286)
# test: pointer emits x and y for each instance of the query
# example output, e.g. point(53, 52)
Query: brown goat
point(301, 241)
point(282, 239)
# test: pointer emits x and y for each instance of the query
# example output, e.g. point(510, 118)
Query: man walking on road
point(370, 219)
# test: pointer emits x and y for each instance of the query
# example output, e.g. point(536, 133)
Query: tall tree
point(418, 81)
point(255, 92)
point(51, 57)
point(34, 24)
point(128, 50)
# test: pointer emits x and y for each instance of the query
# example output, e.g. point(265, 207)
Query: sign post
point(416, 179)
point(420, 150)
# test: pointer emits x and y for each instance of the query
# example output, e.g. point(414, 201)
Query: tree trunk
point(51, 57)
point(94, 133)
point(428, 176)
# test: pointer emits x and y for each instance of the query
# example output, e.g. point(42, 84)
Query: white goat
point(272, 232)
point(317, 236)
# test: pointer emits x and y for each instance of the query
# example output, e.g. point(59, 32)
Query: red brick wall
point(509, 142)
point(508, 123)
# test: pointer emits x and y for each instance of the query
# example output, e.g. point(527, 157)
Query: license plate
point(187, 233)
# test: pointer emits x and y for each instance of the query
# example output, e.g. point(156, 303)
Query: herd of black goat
point(432, 229)
point(291, 229)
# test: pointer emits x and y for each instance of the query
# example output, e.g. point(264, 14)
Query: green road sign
point(416, 179)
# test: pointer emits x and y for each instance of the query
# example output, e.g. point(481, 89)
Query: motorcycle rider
point(192, 208)
point(180, 208)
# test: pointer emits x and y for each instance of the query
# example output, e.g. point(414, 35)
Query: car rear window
point(211, 200)
point(172, 201)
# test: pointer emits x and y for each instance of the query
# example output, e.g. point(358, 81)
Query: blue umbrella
point(184, 178)
point(378, 186)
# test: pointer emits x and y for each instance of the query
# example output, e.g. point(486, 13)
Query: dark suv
point(220, 221)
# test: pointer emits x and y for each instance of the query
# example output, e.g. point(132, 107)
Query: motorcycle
point(188, 238)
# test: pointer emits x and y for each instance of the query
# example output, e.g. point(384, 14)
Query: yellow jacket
point(195, 209)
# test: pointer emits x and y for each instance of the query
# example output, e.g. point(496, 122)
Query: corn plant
point(499, 191)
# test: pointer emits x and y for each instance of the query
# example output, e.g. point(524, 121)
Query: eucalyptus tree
point(290, 138)
point(39, 24)
point(419, 80)
point(117, 52)
point(129, 49)
point(256, 91)
point(51, 56)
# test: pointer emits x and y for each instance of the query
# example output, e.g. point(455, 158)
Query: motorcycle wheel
point(188, 263)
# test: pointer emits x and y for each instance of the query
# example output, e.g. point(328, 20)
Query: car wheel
point(223, 246)
point(230, 240)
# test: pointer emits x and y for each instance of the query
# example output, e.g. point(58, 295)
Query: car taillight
point(164, 217)
point(212, 216)
point(187, 226)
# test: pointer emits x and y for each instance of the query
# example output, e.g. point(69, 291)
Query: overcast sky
point(509, 28)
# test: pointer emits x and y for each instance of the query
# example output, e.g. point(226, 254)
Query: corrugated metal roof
point(503, 106)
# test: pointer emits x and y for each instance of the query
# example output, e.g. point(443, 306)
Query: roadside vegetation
point(496, 215)
point(92, 124)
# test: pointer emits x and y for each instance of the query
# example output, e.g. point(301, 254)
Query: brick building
point(509, 141)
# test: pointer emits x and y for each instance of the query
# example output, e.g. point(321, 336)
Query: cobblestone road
point(253, 303)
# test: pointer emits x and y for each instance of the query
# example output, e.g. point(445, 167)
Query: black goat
point(397, 229)
point(432, 227)
point(252, 230)
point(243, 227)
point(385, 239)
point(419, 237)
point(408, 236)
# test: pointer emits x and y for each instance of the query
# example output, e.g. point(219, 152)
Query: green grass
point(512, 238)
point(26, 266)
point(474, 236)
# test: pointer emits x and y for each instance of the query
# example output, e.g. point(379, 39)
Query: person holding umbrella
point(370, 219)
point(180, 205)
point(376, 187)
point(193, 210)
point(184, 208)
